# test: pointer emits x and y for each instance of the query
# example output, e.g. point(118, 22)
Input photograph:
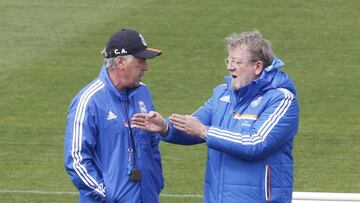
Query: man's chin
point(235, 87)
point(135, 85)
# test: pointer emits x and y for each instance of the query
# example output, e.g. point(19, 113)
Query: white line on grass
point(182, 195)
point(38, 192)
point(75, 193)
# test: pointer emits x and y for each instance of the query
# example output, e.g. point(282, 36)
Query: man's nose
point(145, 66)
point(230, 67)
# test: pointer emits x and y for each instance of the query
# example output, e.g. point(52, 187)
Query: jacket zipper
point(267, 185)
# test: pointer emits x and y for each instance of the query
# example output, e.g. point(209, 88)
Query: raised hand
point(151, 121)
point(188, 124)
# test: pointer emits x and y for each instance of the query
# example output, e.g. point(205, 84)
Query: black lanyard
point(132, 141)
point(135, 173)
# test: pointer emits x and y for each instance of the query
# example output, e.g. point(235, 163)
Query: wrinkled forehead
point(238, 46)
point(239, 50)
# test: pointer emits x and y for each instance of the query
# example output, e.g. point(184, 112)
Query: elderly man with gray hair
point(248, 125)
point(107, 159)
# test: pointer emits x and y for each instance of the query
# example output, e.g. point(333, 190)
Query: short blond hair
point(259, 48)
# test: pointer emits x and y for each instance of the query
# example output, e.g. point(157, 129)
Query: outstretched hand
point(151, 121)
point(188, 124)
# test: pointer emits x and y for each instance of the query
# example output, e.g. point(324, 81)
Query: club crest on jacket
point(142, 106)
point(256, 102)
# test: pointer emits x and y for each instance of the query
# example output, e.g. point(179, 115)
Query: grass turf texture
point(50, 49)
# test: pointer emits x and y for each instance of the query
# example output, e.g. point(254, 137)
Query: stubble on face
point(242, 70)
point(136, 71)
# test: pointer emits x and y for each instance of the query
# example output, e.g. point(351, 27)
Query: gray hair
point(110, 62)
point(258, 47)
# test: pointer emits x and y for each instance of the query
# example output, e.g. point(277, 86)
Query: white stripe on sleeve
point(77, 138)
point(264, 129)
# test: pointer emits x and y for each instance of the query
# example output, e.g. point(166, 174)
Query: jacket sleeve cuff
point(167, 129)
point(99, 193)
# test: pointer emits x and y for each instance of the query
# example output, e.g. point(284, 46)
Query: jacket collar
point(256, 86)
point(122, 95)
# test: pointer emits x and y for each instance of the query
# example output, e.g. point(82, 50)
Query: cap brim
point(148, 53)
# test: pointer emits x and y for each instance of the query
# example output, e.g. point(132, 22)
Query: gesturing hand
point(188, 124)
point(151, 121)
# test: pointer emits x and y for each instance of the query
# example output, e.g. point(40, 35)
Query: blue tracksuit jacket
point(250, 139)
point(97, 143)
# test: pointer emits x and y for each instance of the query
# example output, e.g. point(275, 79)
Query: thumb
point(152, 114)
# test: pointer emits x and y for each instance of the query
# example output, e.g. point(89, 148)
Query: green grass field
point(50, 49)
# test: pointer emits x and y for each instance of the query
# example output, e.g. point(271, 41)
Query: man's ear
point(259, 67)
point(119, 62)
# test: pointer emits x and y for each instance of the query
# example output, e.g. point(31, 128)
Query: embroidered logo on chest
point(142, 107)
point(256, 102)
point(111, 116)
point(225, 98)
